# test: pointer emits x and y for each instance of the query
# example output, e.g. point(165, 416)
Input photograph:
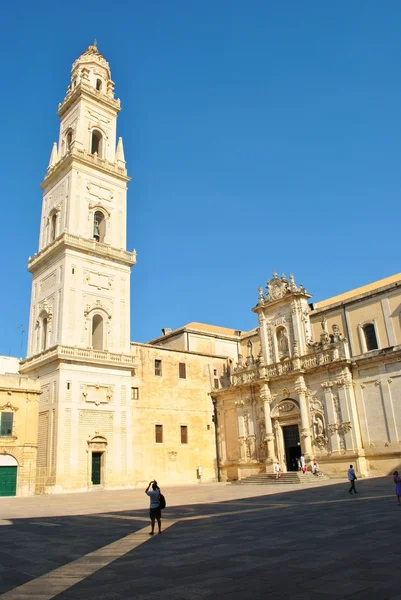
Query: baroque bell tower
point(79, 329)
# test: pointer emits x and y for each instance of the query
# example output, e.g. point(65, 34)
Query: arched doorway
point(8, 475)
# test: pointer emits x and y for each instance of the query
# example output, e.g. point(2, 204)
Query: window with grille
point(182, 370)
point(158, 368)
point(215, 379)
point(6, 423)
point(184, 434)
point(134, 393)
point(370, 337)
point(159, 434)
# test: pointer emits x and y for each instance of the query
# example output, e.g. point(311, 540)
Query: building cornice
point(84, 245)
point(74, 354)
point(179, 350)
point(84, 89)
point(355, 299)
point(85, 158)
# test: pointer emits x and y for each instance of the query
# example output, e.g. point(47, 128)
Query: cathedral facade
point(200, 403)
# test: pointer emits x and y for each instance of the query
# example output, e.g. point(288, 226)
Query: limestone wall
point(19, 395)
point(174, 402)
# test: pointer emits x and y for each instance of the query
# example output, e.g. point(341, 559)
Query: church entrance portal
point(292, 446)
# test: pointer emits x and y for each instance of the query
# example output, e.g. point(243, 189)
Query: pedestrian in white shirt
point(277, 470)
point(352, 479)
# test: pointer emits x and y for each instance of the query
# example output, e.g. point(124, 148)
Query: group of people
point(301, 466)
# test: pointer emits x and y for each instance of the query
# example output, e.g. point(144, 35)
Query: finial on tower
point(120, 158)
point(95, 43)
point(53, 156)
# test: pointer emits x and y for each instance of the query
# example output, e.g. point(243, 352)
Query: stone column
point(301, 389)
point(331, 416)
point(266, 398)
point(241, 430)
point(263, 338)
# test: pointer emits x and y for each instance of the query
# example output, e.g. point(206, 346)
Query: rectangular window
point(184, 434)
point(134, 393)
point(159, 434)
point(216, 384)
point(158, 368)
point(182, 370)
point(6, 423)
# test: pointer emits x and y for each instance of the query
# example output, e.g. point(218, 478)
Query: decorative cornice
point(79, 355)
point(84, 157)
point(86, 245)
point(85, 89)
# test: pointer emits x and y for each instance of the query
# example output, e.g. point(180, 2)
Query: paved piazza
point(219, 541)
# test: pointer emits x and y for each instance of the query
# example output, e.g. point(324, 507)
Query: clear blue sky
point(259, 135)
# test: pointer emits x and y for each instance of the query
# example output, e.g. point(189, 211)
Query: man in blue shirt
point(154, 510)
point(352, 478)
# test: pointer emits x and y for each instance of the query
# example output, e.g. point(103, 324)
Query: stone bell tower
point(79, 331)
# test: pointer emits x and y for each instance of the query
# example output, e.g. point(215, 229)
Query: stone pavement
point(219, 541)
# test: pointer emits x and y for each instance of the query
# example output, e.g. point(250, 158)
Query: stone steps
point(291, 478)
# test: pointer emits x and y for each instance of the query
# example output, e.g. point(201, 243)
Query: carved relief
point(96, 393)
point(99, 280)
point(99, 191)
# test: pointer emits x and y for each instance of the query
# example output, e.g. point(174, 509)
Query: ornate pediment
point(278, 288)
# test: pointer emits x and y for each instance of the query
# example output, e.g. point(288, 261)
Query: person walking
point(303, 467)
point(277, 470)
point(397, 481)
point(352, 479)
point(154, 509)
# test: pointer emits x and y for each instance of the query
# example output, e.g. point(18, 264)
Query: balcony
point(255, 371)
point(80, 355)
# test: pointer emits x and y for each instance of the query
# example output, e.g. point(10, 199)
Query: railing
point(81, 243)
point(81, 355)
point(323, 356)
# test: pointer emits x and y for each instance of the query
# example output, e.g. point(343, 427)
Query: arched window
point(44, 334)
point(96, 143)
point(99, 85)
point(99, 226)
point(53, 227)
point(69, 141)
point(369, 332)
point(97, 332)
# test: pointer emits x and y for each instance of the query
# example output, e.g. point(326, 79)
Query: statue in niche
point(318, 426)
point(96, 230)
point(282, 343)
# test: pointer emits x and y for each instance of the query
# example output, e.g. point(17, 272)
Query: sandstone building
point(201, 401)
point(19, 410)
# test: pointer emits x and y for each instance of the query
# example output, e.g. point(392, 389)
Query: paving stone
point(303, 544)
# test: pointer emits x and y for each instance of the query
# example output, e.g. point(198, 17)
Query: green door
point(96, 467)
point(8, 481)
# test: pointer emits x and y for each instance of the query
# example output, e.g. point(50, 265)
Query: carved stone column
point(331, 416)
point(266, 398)
point(301, 390)
point(263, 338)
point(349, 427)
point(241, 431)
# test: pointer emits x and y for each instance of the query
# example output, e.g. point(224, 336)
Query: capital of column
point(300, 385)
point(327, 385)
point(343, 382)
point(265, 394)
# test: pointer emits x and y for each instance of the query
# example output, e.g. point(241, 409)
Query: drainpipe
point(216, 437)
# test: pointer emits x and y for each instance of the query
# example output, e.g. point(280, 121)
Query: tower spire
point(120, 158)
point(53, 156)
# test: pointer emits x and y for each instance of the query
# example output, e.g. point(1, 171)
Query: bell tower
point(79, 330)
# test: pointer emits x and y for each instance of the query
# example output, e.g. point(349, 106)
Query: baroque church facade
point(200, 403)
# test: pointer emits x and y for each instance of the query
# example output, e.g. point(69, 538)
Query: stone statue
point(324, 325)
point(96, 230)
point(282, 342)
point(318, 426)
